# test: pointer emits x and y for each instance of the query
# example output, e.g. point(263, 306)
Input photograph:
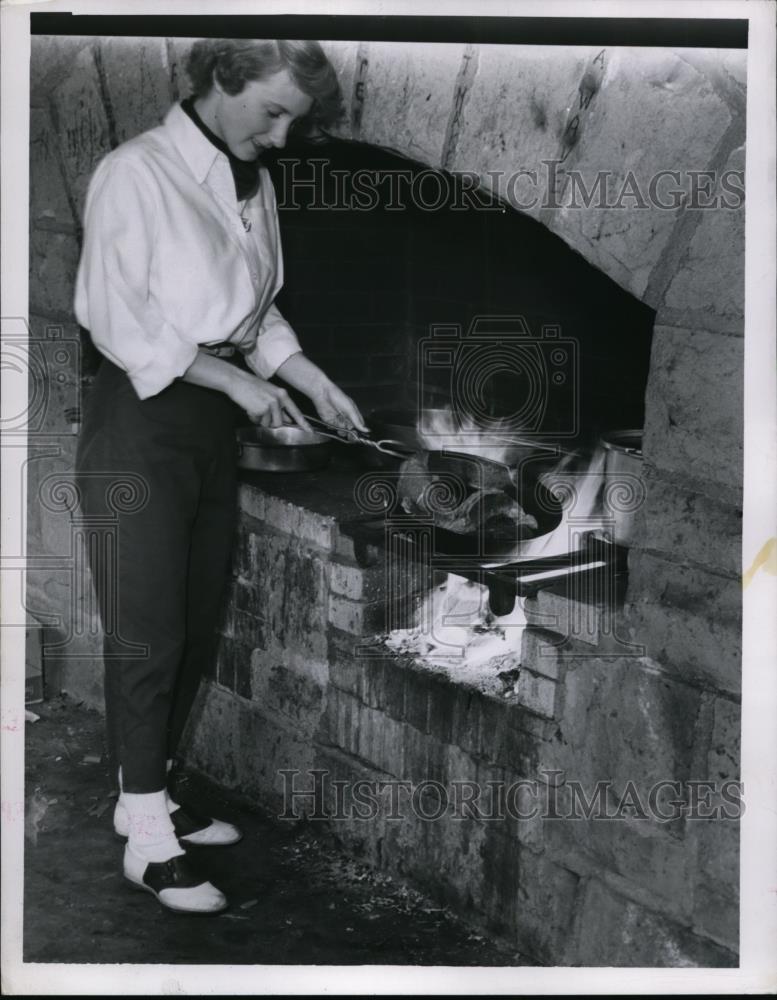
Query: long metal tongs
point(388, 446)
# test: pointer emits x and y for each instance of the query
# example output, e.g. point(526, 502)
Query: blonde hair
point(233, 63)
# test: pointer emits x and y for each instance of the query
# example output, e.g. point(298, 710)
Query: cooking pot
point(281, 449)
point(624, 490)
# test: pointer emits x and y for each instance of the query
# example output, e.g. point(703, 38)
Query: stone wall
point(608, 894)
point(301, 693)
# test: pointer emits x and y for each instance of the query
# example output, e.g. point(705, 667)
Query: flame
point(441, 430)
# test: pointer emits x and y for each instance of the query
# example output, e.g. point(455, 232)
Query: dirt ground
point(294, 899)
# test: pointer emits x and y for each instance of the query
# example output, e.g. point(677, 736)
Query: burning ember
point(455, 624)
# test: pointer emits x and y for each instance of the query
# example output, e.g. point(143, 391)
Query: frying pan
point(394, 439)
point(458, 472)
point(281, 449)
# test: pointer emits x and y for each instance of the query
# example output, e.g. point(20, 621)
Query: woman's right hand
point(266, 404)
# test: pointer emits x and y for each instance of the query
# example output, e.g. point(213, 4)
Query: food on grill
point(494, 510)
point(447, 497)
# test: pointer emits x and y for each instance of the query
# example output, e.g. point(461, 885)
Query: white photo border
point(758, 969)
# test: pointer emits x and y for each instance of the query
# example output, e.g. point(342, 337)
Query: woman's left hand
point(335, 407)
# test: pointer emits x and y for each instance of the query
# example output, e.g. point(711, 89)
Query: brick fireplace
point(301, 683)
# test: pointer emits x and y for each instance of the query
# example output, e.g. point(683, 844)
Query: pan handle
point(386, 445)
point(317, 422)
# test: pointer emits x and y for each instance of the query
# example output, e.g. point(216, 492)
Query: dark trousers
point(158, 494)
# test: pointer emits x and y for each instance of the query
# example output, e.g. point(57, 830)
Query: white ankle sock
point(151, 831)
point(172, 805)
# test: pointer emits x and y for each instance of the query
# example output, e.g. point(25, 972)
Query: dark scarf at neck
point(244, 172)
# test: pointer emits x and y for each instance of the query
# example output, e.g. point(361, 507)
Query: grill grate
point(595, 572)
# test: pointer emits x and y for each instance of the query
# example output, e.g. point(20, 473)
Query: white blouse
point(168, 264)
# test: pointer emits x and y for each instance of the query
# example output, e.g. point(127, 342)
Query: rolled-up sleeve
point(113, 299)
point(275, 344)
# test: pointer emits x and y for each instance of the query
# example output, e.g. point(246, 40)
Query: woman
point(180, 266)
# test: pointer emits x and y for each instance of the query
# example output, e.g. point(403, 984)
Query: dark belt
point(225, 349)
